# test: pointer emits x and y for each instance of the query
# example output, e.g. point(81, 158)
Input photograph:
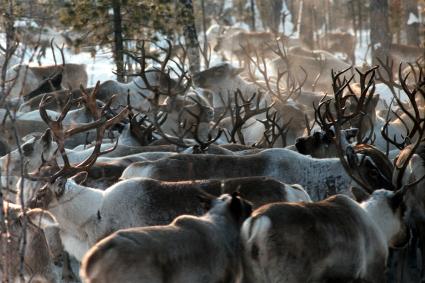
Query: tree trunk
point(306, 28)
point(360, 17)
point(252, 6)
point(190, 36)
point(118, 42)
point(412, 28)
point(380, 37)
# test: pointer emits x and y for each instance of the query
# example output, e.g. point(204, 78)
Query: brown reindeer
point(26, 78)
point(191, 249)
point(334, 240)
point(343, 42)
point(38, 257)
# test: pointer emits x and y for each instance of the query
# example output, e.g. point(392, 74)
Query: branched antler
point(242, 112)
point(274, 130)
point(60, 135)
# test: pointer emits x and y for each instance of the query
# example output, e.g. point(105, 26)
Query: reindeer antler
point(60, 135)
point(243, 112)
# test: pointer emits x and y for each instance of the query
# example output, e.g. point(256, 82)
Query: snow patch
point(413, 19)
point(377, 45)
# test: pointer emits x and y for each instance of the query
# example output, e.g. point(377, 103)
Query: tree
point(270, 12)
point(411, 22)
point(190, 35)
point(306, 26)
point(117, 23)
point(380, 37)
point(119, 48)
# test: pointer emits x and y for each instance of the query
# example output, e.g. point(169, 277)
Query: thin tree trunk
point(412, 28)
point(360, 16)
point(252, 6)
point(353, 18)
point(307, 19)
point(190, 36)
point(380, 37)
point(204, 25)
point(276, 15)
point(118, 42)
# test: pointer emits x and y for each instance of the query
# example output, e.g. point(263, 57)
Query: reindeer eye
point(60, 187)
point(28, 149)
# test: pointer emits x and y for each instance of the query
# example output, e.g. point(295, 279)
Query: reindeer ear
point(359, 194)
point(80, 178)
point(352, 158)
point(59, 187)
point(205, 199)
point(351, 133)
point(375, 100)
point(46, 138)
point(397, 199)
point(28, 148)
point(41, 218)
point(239, 209)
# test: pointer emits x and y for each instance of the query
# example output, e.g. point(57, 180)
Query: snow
point(413, 19)
point(26, 23)
point(385, 93)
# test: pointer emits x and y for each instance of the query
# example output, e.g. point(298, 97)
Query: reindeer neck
point(383, 218)
point(83, 203)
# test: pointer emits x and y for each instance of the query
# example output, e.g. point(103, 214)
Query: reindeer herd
point(286, 166)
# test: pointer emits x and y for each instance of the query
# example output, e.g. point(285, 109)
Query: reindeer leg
point(421, 246)
point(67, 273)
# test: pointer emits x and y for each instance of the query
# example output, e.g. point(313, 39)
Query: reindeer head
point(231, 205)
point(58, 191)
point(413, 174)
point(218, 74)
point(35, 151)
point(388, 209)
point(322, 144)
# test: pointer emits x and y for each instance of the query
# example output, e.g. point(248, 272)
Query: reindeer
point(26, 78)
point(321, 144)
point(314, 247)
point(66, 196)
point(224, 80)
point(38, 257)
point(378, 222)
point(173, 251)
point(309, 66)
point(242, 42)
point(406, 53)
point(282, 164)
point(343, 42)
point(35, 152)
